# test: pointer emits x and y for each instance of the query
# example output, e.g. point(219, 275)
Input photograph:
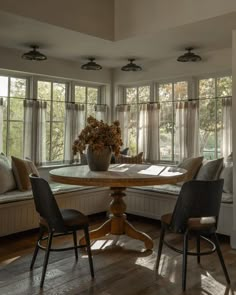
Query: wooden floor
point(122, 267)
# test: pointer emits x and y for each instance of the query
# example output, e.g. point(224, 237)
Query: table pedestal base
point(117, 224)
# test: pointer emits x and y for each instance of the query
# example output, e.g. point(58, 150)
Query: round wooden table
point(118, 178)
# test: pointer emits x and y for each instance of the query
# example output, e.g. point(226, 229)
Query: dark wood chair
point(55, 222)
point(196, 213)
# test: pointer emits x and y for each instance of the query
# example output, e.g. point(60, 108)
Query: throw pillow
point(122, 159)
point(192, 165)
point(123, 152)
point(210, 170)
point(6, 175)
point(227, 175)
point(22, 169)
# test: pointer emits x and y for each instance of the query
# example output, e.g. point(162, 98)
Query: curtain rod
point(179, 100)
point(35, 99)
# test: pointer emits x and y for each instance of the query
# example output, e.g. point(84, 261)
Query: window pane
point(3, 86)
point(144, 94)
point(58, 111)
point(166, 112)
point(207, 116)
point(48, 139)
point(59, 92)
point(17, 87)
point(91, 110)
point(132, 132)
point(131, 95)
point(80, 94)
point(16, 139)
point(207, 88)
point(16, 109)
point(166, 141)
point(219, 127)
point(92, 95)
point(165, 92)
point(44, 93)
point(44, 90)
point(180, 90)
point(57, 152)
point(224, 86)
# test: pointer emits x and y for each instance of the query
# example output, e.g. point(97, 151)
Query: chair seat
point(193, 223)
point(73, 217)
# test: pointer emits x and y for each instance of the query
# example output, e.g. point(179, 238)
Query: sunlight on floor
point(9, 261)
point(101, 244)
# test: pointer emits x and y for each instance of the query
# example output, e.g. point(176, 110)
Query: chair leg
point(45, 263)
point(41, 232)
point(87, 239)
point(198, 248)
point(162, 235)
point(221, 258)
point(184, 269)
point(75, 244)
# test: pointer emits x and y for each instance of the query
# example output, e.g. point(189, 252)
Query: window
point(55, 94)
point(13, 90)
point(134, 96)
point(169, 94)
point(211, 92)
point(89, 96)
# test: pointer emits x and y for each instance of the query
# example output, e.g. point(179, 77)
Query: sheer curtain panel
point(101, 112)
point(35, 131)
point(74, 123)
point(123, 116)
point(148, 132)
point(227, 126)
point(186, 130)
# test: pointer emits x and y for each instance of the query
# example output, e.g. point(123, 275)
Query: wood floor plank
point(122, 267)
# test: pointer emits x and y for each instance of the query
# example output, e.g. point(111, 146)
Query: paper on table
point(152, 170)
point(119, 168)
point(170, 171)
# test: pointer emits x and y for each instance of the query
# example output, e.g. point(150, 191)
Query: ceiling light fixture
point(189, 56)
point(131, 66)
point(91, 65)
point(34, 54)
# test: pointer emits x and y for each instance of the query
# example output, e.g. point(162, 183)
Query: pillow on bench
point(210, 170)
point(192, 165)
point(6, 175)
point(122, 159)
point(21, 170)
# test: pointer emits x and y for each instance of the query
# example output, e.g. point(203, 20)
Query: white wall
point(135, 17)
point(91, 17)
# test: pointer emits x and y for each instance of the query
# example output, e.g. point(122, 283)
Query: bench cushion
point(57, 188)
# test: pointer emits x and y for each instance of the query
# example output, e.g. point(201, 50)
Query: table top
point(121, 175)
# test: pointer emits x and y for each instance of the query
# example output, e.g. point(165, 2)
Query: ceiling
point(17, 32)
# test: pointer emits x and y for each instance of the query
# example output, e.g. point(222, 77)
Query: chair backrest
point(46, 204)
point(197, 199)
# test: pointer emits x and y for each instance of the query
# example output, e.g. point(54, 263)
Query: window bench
point(17, 209)
point(154, 201)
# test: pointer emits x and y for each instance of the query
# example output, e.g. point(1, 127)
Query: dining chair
point(56, 222)
point(196, 213)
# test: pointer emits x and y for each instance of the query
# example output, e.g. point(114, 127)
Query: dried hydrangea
point(99, 135)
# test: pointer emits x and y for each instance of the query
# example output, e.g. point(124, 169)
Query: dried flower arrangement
point(99, 135)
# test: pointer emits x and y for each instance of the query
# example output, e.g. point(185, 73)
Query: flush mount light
point(131, 66)
point(189, 56)
point(34, 54)
point(91, 65)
